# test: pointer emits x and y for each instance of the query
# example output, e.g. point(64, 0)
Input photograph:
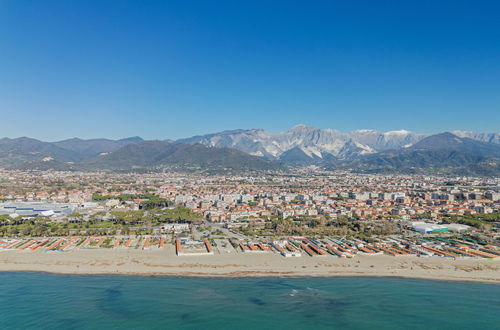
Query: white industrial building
point(34, 209)
point(424, 227)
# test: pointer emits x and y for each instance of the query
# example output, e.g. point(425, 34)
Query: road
point(227, 232)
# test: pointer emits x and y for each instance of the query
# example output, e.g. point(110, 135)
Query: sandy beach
point(164, 262)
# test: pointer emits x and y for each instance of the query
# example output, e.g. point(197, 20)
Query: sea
point(47, 301)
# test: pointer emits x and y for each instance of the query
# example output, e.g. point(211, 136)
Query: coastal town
point(234, 200)
point(249, 165)
point(308, 214)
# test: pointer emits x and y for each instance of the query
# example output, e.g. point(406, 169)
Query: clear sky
point(172, 69)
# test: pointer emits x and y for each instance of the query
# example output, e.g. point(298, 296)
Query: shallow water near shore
point(48, 301)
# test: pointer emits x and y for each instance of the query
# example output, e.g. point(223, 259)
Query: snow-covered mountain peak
point(306, 142)
point(483, 137)
point(365, 131)
point(301, 127)
point(400, 132)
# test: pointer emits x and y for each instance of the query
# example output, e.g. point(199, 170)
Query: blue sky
point(172, 69)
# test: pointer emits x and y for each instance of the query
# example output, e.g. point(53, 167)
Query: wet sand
point(164, 262)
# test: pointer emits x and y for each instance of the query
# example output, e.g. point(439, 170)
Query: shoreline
point(259, 275)
point(164, 263)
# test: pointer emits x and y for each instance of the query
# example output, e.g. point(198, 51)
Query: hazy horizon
point(235, 129)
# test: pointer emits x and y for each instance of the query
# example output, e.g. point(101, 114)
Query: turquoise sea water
point(44, 301)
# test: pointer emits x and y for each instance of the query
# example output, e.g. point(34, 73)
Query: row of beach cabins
point(299, 246)
point(465, 247)
point(76, 242)
point(434, 247)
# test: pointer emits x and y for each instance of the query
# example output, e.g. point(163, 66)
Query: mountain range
point(24, 149)
point(441, 153)
point(456, 152)
point(179, 156)
point(302, 145)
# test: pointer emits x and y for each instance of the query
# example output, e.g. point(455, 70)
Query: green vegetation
point(481, 221)
point(124, 222)
point(312, 226)
point(152, 201)
point(155, 202)
point(97, 196)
